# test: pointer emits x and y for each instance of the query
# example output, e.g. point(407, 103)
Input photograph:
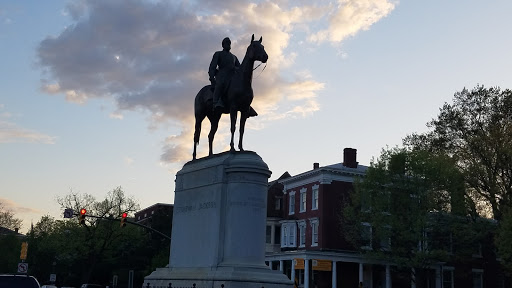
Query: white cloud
point(352, 16)
point(16, 208)
point(154, 55)
point(13, 133)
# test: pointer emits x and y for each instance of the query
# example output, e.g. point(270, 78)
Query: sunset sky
point(99, 94)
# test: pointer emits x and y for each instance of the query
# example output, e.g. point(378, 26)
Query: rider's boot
point(219, 105)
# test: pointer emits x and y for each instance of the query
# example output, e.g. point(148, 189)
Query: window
point(478, 278)
point(277, 235)
point(288, 232)
point(366, 236)
point(314, 200)
point(291, 239)
point(477, 253)
point(448, 278)
point(302, 233)
point(314, 231)
point(291, 205)
point(268, 235)
point(303, 199)
point(285, 236)
point(277, 204)
point(385, 238)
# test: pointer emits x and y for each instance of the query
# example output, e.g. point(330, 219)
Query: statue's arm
point(213, 66)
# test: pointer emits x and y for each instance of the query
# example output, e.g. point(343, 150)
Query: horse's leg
point(233, 115)
point(243, 118)
point(197, 133)
point(214, 125)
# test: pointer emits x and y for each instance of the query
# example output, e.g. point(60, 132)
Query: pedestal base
point(218, 231)
point(230, 277)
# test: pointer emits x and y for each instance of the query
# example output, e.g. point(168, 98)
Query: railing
point(170, 286)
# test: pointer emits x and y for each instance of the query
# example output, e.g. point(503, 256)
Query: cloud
point(153, 56)
point(352, 16)
point(12, 133)
point(16, 208)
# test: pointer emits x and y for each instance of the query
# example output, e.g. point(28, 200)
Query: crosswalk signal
point(81, 218)
point(123, 219)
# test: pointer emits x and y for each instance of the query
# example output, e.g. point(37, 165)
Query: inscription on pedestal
point(195, 207)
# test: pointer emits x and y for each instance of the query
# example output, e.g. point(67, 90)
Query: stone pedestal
point(218, 231)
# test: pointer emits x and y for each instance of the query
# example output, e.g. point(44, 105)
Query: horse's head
point(256, 51)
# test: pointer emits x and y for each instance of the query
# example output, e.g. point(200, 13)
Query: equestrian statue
point(230, 91)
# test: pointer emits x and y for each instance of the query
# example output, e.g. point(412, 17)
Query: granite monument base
point(218, 231)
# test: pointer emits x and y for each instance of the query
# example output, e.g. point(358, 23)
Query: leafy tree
point(504, 240)
point(476, 132)
point(410, 209)
point(7, 218)
point(10, 257)
point(101, 242)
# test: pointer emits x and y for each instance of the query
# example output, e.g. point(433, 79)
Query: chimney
point(349, 157)
point(316, 165)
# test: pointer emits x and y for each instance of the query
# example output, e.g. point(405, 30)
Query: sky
point(99, 94)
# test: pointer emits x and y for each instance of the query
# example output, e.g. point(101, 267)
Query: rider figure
point(227, 63)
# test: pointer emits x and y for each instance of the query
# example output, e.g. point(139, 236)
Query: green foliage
point(476, 131)
point(94, 252)
point(414, 202)
point(7, 218)
point(10, 256)
point(504, 241)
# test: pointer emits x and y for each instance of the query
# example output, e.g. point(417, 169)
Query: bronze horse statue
point(237, 97)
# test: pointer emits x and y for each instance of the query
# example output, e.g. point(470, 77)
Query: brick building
point(305, 237)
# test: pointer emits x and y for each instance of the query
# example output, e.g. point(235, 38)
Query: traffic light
point(81, 218)
point(24, 249)
point(123, 219)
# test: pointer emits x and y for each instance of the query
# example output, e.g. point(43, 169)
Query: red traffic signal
point(81, 218)
point(123, 219)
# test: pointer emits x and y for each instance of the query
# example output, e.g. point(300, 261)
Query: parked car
point(18, 281)
point(48, 286)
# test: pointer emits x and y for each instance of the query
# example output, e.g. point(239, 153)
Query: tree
point(476, 132)
point(7, 218)
point(101, 241)
point(504, 240)
point(410, 209)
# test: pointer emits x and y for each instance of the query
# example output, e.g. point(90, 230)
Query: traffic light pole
point(131, 222)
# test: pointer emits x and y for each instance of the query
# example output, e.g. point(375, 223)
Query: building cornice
point(324, 175)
